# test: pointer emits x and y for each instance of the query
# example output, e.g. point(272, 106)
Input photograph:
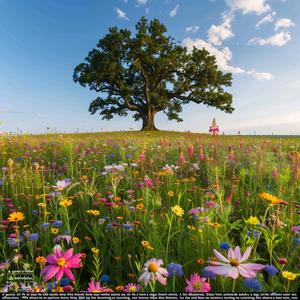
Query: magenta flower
point(60, 264)
point(131, 288)
point(95, 287)
point(153, 271)
point(197, 284)
point(234, 265)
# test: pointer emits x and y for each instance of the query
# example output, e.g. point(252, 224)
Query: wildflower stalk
point(233, 285)
point(168, 238)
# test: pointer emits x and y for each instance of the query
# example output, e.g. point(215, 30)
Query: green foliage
point(149, 73)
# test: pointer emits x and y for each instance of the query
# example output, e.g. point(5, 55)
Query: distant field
point(150, 211)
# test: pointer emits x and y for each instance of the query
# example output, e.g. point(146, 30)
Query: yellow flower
point(177, 210)
point(75, 240)
point(54, 230)
point(171, 194)
point(93, 212)
point(253, 221)
point(270, 198)
point(95, 250)
point(190, 227)
point(215, 225)
point(289, 275)
point(43, 205)
point(16, 216)
point(66, 202)
point(146, 245)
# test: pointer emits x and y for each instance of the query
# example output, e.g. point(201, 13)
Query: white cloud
point(266, 19)
point(174, 11)
point(141, 2)
point(191, 29)
point(284, 23)
point(260, 75)
point(249, 6)
point(279, 39)
point(121, 14)
point(223, 58)
point(218, 33)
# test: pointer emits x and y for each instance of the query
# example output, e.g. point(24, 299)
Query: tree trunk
point(148, 121)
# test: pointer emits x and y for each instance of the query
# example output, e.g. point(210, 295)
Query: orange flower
point(16, 216)
point(41, 259)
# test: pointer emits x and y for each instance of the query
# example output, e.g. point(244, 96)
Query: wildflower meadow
point(157, 211)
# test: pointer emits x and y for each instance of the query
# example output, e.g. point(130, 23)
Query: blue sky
point(42, 41)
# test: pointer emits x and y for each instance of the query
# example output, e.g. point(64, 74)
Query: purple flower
point(131, 288)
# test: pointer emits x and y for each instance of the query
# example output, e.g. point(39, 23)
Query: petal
point(237, 253)
point(51, 273)
point(59, 274)
point(51, 259)
point(161, 279)
point(68, 254)
point(57, 252)
point(145, 277)
point(246, 254)
point(163, 271)
point(45, 270)
point(230, 253)
point(253, 267)
point(220, 257)
point(219, 270)
point(233, 273)
point(74, 261)
point(246, 273)
point(69, 274)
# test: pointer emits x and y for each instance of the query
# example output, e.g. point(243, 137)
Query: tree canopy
point(148, 73)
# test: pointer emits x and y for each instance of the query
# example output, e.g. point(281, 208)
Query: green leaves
point(150, 73)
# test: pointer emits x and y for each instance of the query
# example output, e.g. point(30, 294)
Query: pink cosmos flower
point(95, 287)
point(234, 265)
point(153, 271)
point(60, 264)
point(197, 284)
point(62, 184)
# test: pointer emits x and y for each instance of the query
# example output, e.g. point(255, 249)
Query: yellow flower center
point(234, 262)
point(97, 291)
point(61, 262)
point(153, 267)
point(197, 286)
point(132, 289)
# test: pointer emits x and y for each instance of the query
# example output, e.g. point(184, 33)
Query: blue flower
point(208, 274)
point(57, 223)
point(128, 155)
point(105, 278)
point(35, 212)
point(1, 182)
point(296, 240)
point(64, 281)
point(33, 236)
point(224, 246)
point(252, 284)
point(127, 226)
point(45, 225)
point(175, 270)
point(271, 270)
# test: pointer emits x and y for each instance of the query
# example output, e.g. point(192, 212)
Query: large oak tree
point(149, 73)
